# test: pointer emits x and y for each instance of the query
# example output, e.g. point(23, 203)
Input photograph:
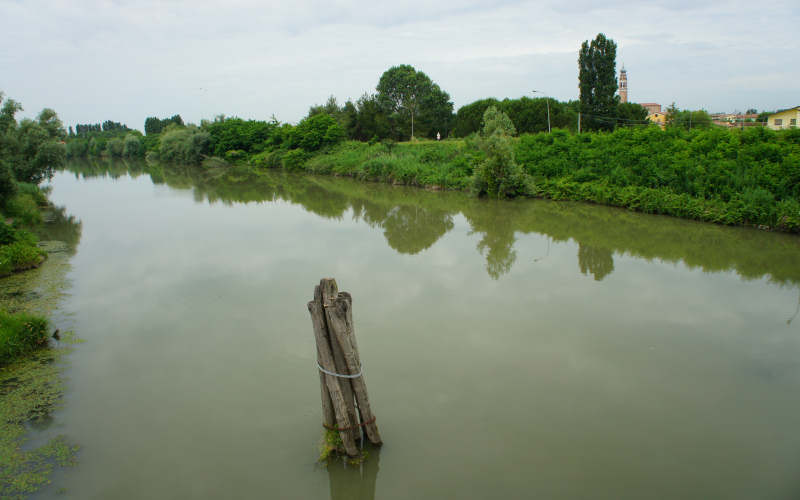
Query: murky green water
point(522, 349)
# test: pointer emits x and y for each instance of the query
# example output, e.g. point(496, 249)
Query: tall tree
point(404, 91)
point(597, 80)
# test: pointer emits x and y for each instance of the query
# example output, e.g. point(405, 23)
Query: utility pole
point(579, 122)
point(547, 100)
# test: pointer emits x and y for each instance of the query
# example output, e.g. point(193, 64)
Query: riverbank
point(731, 177)
point(734, 177)
point(20, 217)
point(749, 178)
point(31, 358)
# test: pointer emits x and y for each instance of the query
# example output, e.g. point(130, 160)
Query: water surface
point(525, 349)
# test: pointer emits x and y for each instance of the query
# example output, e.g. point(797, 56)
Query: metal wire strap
point(340, 375)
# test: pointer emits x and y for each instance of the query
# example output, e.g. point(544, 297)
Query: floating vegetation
point(40, 290)
point(31, 387)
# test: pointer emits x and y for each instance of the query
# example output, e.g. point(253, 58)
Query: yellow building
point(787, 118)
point(658, 118)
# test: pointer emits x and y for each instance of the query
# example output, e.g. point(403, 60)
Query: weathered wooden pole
point(340, 367)
point(338, 311)
point(345, 403)
point(331, 386)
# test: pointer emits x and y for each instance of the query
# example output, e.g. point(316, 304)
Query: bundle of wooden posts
point(345, 404)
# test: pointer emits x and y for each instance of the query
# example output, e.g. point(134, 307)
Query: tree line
point(406, 103)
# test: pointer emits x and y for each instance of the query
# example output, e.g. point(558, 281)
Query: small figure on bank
point(438, 136)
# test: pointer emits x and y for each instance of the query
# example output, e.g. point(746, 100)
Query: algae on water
point(29, 390)
point(32, 387)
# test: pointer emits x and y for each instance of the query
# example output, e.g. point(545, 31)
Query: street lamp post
point(547, 100)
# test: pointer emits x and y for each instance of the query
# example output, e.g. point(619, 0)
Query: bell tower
point(623, 85)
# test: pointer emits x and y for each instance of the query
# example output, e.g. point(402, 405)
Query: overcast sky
point(124, 61)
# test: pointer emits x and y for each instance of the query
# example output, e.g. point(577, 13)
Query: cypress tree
point(597, 80)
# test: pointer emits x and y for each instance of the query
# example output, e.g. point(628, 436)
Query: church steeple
point(623, 85)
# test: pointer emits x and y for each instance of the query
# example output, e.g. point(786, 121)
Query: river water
point(517, 349)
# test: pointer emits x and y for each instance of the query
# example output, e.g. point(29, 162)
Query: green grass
point(21, 334)
point(444, 164)
point(18, 250)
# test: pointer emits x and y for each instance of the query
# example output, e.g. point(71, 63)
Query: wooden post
point(340, 366)
point(325, 358)
point(345, 402)
point(338, 311)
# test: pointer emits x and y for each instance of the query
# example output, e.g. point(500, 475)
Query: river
point(512, 349)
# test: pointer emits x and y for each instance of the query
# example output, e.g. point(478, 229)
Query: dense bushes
point(184, 145)
point(706, 164)
point(114, 142)
point(20, 334)
point(133, 146)
point(730, 177)
point(231, 134)
point(18, 250)
point(30, 149)
point(716, 175)
point(316, 132)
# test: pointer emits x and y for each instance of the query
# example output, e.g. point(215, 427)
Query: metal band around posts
point(323, 370)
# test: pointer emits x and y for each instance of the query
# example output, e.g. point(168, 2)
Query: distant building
point(659, 118)
point(623, 85)
point(651, 107)
point(785, 118)
point(735, 120)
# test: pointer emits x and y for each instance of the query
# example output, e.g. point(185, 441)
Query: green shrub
point(230, 134)
point(133, 146)
point(19, 256)
point(187, 145)
point(315, 132)
point(21, 334)
point(498, 174)
point(8, 187)
point(235, 155)
point(294, 159)
point(8, 234)
point(115, 147)
point(24, 209)
point(77, 148)
point(268, 159)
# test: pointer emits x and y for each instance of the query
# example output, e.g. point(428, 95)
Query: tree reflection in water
point(413, 220)
point(597, 261)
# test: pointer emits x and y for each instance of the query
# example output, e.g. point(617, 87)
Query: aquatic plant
point(21, 334)
point(30, 389)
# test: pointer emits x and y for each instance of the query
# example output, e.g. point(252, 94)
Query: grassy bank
point(31, 365)
point(749, 177)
